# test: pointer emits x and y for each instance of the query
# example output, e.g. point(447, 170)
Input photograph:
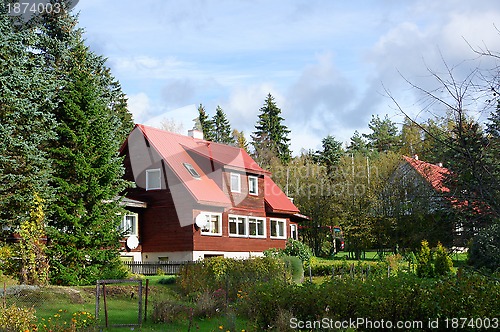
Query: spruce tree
point(91, 123)
point(26, 125)
point(331, 153)
point(271, 135)
point(206, 125)
point(222, 128)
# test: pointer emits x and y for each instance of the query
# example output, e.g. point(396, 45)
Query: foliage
point(425, 268)
point(222, 128)
point(298, 249)
point(26, 125)
point(485, 249)
point(205, 124)
point(15, 319)
point(271, 136)
point(431, 264)
point(230, 275)
point(240, 140)
point(83, 232)
point(32, 249)
point(80, 320)
point(295, 266)
point(384, 135)
point(331, 153)
point(401, 297)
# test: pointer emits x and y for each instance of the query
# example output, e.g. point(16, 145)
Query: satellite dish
point(201, 221)
point(132, 242)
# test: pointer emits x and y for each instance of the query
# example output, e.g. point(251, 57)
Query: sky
point(330, 65)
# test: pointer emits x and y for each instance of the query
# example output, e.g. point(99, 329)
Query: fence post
point(310, 274)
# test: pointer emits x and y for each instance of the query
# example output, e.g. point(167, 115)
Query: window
point(235, 183)
point(293, 231)
point(237, 226)
point(256, 227)
point(153, 179)
point(278, 228)
point(212, 224)
point(129, 224)
point(253, 185)
point(191, 170)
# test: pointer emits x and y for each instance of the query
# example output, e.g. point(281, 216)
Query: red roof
point(175, 150)
point(434, 174)
point(276, 200)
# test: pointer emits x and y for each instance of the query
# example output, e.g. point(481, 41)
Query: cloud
point(139, 105)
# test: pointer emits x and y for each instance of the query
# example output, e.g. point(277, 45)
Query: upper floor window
point(278, 229)
point(235, 183)
point(192, 171)
point(153, 179)
point(253, 185)
point(129, 224)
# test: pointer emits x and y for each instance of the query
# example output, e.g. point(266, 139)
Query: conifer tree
point(222, 128)
point(240, 140)
point(206, 125)
point(271, 135)
point(26, 125)
point(91, 123)
point(384, 135)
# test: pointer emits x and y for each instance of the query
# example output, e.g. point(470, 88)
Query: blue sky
point(327, 63)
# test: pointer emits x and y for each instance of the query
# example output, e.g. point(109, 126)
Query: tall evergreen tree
point(271, 135)
point(26, 125)
point(206, 125)
point(331, 153)
point(384, 135)
point(91, 121)
point(222, 128)
point(240, 140)
point(358, 144)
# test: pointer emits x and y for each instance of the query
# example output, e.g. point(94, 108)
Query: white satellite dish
point(201, 221)
point(132, 242)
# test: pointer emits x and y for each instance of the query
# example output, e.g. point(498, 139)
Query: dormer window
point(235, 183)
point(253, 185)
point(191, 170)
point(153, 179)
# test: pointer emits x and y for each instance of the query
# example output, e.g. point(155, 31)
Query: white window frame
point(294, 230)
point(241, 223)
point(250, 180)
point(257, 220)
point(277, 228)
point(135, 224)
point(149, 174)
point(235, 190)
point(210, 230)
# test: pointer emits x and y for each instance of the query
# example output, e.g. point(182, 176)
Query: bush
point(14, 319)
point(442, 261)
point(294, 267)
point(485, 249)
point(298, 249)
point(433, 264)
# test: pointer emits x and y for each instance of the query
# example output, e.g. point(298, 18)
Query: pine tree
point(240, 140)
point(91, 121)
point(384, 135)
point(222, 128)
point(358, 144)
point(206, 125)
point(271, 135)
point(26, 125)
point(331, 153)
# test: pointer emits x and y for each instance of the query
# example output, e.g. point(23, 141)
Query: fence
point(152, 268)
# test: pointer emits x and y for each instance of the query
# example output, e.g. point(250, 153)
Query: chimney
point(195, 133)
point(415, 156)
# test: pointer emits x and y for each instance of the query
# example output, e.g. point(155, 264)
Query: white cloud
point(139, 105)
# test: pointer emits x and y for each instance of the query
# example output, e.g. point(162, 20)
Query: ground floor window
point(246, 226)
point(278, 228)
point(212, 223)
point(129, 224)
point(293, 231)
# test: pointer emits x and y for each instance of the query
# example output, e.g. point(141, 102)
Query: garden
point(273, 293)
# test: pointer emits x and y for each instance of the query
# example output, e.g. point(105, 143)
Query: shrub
point(485, 249)
point(167, 280)
point(14, 319)
point(442, 261)
point(294, 267)
point(425, 268)
point(298, 249)
point(169, 311)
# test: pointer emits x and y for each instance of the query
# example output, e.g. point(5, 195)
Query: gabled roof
point(276, 200)
point(435, 175)
point(176, 150)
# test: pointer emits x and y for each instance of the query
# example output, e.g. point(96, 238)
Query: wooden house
point(195, 198)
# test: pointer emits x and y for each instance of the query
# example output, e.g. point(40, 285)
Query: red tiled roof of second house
point(435, 175)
